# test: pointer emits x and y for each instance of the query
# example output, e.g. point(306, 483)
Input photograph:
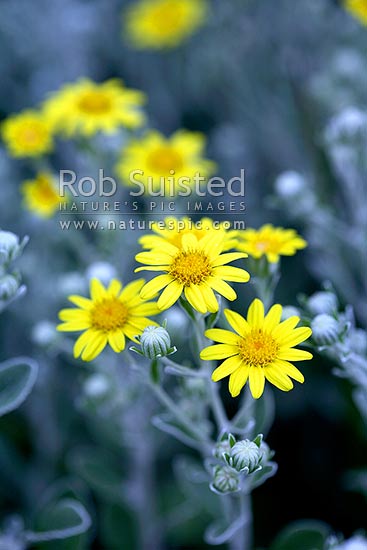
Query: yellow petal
point(237, 380)
point(189, 242)
point(278, 378)
point(94, 347)
point(222, 336)
point(73, 326)
point(73, 315)
point(226, 368)
point(292, 354)
point(81, 302)
point(237, 322)
point(97, 290)
point(297, 336)
point(285, 327)
point(255, 314)
point(228, 257)
point(257, 381)
point(222, 288)
point(272, 319)
point(117, 341)
point(170, 295)
point(229, 273)
point(131, 290)
point(151, 288)
point(209, 297)
point(195, 298)
point(114, 287)
point(82, 341)
point(290, 370)
point(218, 351)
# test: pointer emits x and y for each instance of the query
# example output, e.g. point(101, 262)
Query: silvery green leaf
point(221, 532)
point(17, 378)
point(302, 535)
point(168, 425)
point(261, 475)
point(99, 470)
point(258, 439)
point(64, 519)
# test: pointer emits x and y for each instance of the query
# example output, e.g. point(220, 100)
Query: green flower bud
point(9, 285)
point(10, 247)
point(322, 302)
point(222, 447)
point(155, 342)
point(245, 454)
point(325, 330)
point(226, 480)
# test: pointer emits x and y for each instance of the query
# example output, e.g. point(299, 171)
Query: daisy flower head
point(358, 8)
point(109, 316)
point(173, 229)
point(161, 24)
point(27, 134)
point(196, 268)
point(86, 108)
point(41, 195)
point(160, 160)
point(270, 241)
point(260, 348)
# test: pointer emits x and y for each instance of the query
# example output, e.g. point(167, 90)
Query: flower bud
point(44, 333)
point(325, 329)
point(10, 247)
point(290, 184)
point(322, 302)
point(155, 342)
point(222, 447)
point(245, 454)
point(9, 285)
point(226, 480)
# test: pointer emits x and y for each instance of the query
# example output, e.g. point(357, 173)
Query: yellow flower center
point(191, 268)
point(258, 349)
point(268, 245)
point(31, 135)
point(95, 103)
point(109, 314)
point(164, 159)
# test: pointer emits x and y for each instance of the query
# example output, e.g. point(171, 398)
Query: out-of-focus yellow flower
point(173, 230)
point(358, 8)
point(107, 317)
point(27, 134)
point(159, 24)
point(41, 195)
point(195, 267)
point(260, 348)
point(86, 107)
point(270, 241)
point(159, 162)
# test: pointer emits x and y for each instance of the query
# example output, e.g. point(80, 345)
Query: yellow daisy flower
point(107, 317)
point(159, 24)
point(270, 241)
point(195, 267)
point(358, 8)
point(87, 107)
point(260, 349)
point(41, 195)
point(161, 159)
point(27, 134)
point(174, 229)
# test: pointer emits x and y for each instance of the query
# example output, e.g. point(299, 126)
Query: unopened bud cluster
point(239, 459)
point(10, 282)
